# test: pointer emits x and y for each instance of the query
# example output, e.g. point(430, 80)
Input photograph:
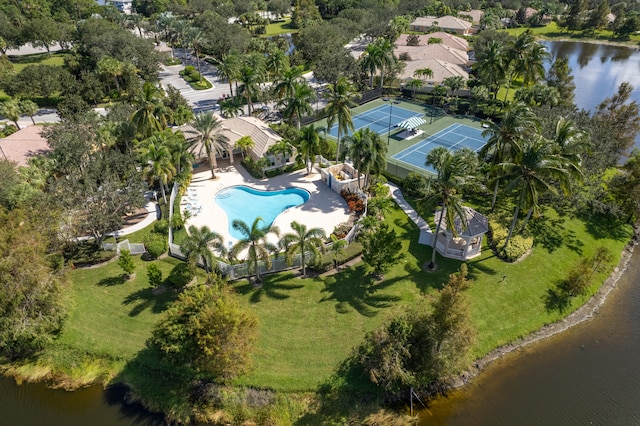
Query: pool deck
point(325, 209)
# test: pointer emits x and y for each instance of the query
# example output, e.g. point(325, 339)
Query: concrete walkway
point(152, 216)
point(425, 230)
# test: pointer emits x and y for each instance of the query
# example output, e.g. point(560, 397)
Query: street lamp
point(391, 102)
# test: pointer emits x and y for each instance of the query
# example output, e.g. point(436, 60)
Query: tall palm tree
point(256, 244)
point(571, 143)
point(506, 137)
point(210, 139)
point(533, 63)
point(198, 245)
point(453, 171)
point(181, 157)
point(339, 103)
point(364, 151)
point(150, 113)
point(301, 241)
point(533, 173)
point(285, 83)
point(157, 166)
point(11, 110)
point(414, 85)
point(277, 62)
point(516, 57)
point(454, 84)
point(250, 78)
point(228, 68)
point(194, 38)
point(337, 248)
point(112, 68)
point(383, 51)
point(282, 149)
point(299, 102)
point(491, 67)
point(309, 144)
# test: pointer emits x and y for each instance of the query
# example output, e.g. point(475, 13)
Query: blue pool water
point(246, 204)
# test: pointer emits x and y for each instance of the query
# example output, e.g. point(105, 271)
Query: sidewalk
point(425, 230)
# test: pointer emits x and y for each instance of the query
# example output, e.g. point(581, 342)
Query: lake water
point(588, 375)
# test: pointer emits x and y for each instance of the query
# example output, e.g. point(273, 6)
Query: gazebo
point(467, 242)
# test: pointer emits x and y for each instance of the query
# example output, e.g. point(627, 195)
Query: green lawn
point(22, 62)
point(552, 31)
point(281, 27)
point(308, 326)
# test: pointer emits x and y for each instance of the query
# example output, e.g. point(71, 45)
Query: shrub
point(126, 263)
point(434, 40)
point(161, 227)
point(154, 274)
point(155, 244)
point(355, 203)
point(518, 244)
point(180, 276)
point(414, 185)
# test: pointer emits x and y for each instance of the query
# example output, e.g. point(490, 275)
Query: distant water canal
point(588, 375)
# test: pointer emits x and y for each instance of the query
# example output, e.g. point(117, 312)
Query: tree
point(194, 38)
point(305, 13)
point(559, 76)
point(414, 84)
point(210, 139)
point(534, 62)
point(425, 73)
point(381, 249)
point(198, 246)
point(250, 77)
point(337, 248)
point(505, 138)
point(11, 110)
point(245, 143)
point(598, 17)
point(277, 62)
point(491, 68)
point(207, 330)
point(126, 263)
point(256, 243)
point(309, 145)
point(338, 109)
point(453, 172)
point(516, 57)
point(112, 68)
point(156, 159)
point(454, 84)
point(301, 241)
point(282, 150)
point(149, 115)
point(378, 56)
point(228, 67)
point(299, 103)
point(31, 294)
point(574, 17)
point(284, 85)
point(365, 148)
point(29, 108)
point(533, 172)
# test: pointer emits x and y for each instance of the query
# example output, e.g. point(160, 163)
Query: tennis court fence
point(401, 169)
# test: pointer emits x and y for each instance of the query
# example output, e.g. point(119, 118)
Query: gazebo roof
point(477, 223)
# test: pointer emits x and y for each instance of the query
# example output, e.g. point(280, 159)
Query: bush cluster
point(190, 74)
point(414, 185)
point(355, 203)
point(518, 244)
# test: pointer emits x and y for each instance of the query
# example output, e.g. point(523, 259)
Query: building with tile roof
point(446, 23)
point(24, 144)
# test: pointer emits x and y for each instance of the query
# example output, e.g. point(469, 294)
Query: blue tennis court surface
point(454, 137)
point(377, 119)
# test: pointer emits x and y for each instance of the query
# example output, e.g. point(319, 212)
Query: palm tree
point(337, 248)
point(282, 149)
point(505, 138)
point(284, 85)
point(453, 171)
point(110, 67)
point(231, 107)
point(150, 113)
point(533, 173)
point(198, 245)
point(364, 151)
point(29, 108)
point(533, 63)
point(415, 84)
point(454, 84)
point(339, 103)
point(229, 68)
point(309, 144)
point(210, 139)
point(516, 57)
point(194, 38)
point(250, 78)
point(491, 66)
point(298, 104)
point(245, 143)
point(303, 240)
point(383, 53)
point(277, 62)
point(571, 143)
point(157, 165)
point(256, 244)
point(181, 157)
point(426, 73)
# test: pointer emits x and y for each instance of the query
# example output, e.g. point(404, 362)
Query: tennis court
point(454, 137)
point(377, 119)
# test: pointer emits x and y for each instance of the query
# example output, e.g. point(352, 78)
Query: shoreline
point(628, 45)
point(580, 315)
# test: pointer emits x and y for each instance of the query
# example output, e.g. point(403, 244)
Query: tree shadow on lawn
point(557, 298)
point(600, 227)
point(145, 299)
point(552, 234)
point(273, 287)
point(355, 288)
point(112, 281)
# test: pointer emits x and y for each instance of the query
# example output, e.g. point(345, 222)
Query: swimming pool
point(246, 204)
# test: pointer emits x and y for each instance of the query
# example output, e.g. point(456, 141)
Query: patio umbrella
point(411, 123)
